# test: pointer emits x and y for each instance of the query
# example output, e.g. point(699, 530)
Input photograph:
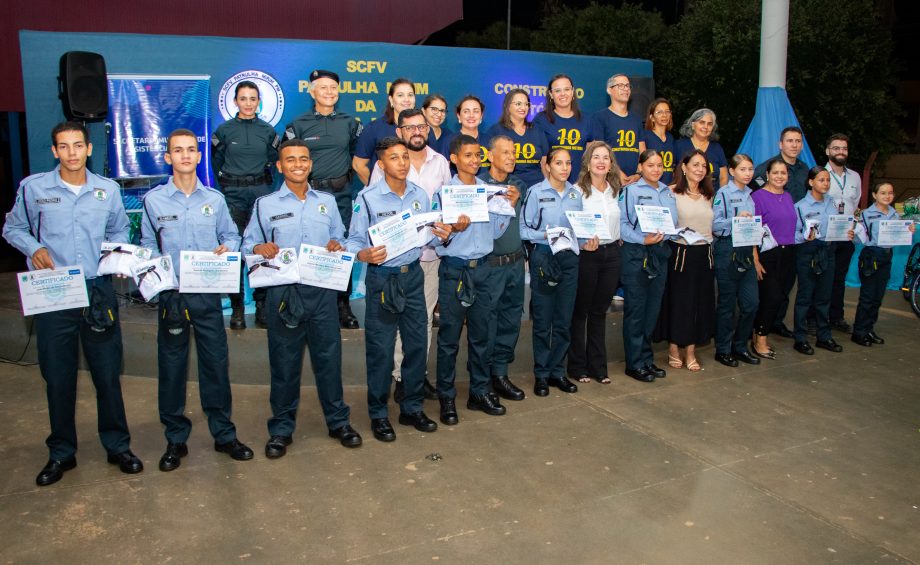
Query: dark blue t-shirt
point(667, 149)
point(714, 153)
point(442, 145)
point(572, 134)
point(373, 132)
point(622, 134)
point(529, 149)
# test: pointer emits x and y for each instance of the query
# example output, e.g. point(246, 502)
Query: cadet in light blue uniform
point(61, 218)
point(400, 96)
point(562, 121)
point(874, 266)
point(735, 272)
point(464, 294)
point(553, 277)
point(530, 144)
point(395, 293)
point(298, 314)
point(657, 135)
point(185, 215)
point(814, 262)
point(644, 267)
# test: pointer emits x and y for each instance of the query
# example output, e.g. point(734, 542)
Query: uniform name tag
point(55, 200)
point(641, 198)
point(734, 200)
point(385, 214)
point(281, 216)
point(167, 218)
point(547, 200)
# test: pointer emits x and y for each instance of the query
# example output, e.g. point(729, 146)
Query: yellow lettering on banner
point(358, 87)
point(366, 66)
point(530, 89)
point(303, 85)
point(365, 106)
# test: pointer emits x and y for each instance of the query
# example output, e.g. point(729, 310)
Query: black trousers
point(814, 289)
point(874, 272)
point(843, 253)
point(598, 276)
point(240, 201)
point(773, 290)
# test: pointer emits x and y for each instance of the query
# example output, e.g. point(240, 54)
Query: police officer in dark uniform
point(61, 218)
point(242, 152)
point(331, 137)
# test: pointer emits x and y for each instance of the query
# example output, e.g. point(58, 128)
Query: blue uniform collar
point(891, 211)
point(284, 191)
point(455, 180)
point(732, 187)
point(810, 200)
point(172, 189)
point(59, 182)
point(252, 120)
point(642, 182)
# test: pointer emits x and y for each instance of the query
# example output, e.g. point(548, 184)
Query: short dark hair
point(388, 142)
point(406, 114)
point(474, 98)
point(246, 84)
point(838, 137)
point(793, 129)
point(499, 137)
point(431, 98)
point(296, 142)
point(68, 126)
point(815, 171)
point(181, 132)
point(461, 140)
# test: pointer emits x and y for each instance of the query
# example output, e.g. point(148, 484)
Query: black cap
point(319, 73)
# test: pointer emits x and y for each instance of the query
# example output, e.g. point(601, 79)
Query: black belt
point(335, 183)
point(392, 270)
point(248, 180)
point(506, 259)
point(617, 243)
point(457, 262)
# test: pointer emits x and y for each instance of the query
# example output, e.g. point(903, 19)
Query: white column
point(774, 34)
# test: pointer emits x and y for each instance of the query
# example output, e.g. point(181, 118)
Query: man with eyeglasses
point(331, 137)
point(429, 170)
point(845, 192)
point(620, 129)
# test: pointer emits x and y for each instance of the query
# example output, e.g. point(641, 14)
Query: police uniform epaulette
point(212, 189)
point(34, 177)
point(323, 192)
point(105, 180)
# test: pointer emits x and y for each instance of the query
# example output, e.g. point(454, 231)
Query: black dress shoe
point(236, 449)
point(726, 359)
point(745, 357)
point(770, 354)
point(431, 393)
point(237, 318)
point(399, 392)
point(346, 435)
point(541, 387)
point(347, 319)
point(172, 458)
point(782, 331)
point(657, 371)
point(127, 462)
point(260, 315)
point(487, 403)
point(841, 325)
point(564, 384)
point(449, 412)
point(54, 470)
point(419, 421)
point(803, 347)
point(829, 345)
point(863, 340)
point(277, 446)
point(641, 374)
point(503, 387)
point(383, 430)
point(875, 338)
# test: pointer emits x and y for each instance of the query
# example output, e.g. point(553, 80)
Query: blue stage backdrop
point(282, 67)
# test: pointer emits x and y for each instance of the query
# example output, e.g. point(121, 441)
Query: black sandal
point(604, 380)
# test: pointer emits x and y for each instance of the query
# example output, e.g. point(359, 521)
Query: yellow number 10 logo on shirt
point(526, 151)
point(667, 159)
point(627, 138)
point(569, 136)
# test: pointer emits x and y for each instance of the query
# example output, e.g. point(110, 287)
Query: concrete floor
point(800, 460)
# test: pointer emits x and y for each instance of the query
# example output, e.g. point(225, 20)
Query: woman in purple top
point(775, 267)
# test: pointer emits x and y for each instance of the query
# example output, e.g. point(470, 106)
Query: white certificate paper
point(50, 290)
point(325, 269)
point(895, 232)
point(118, 258)
point(655, 219)
point(396, 233)
point(747, 231)
point(811, 229)
point(497, 204)
point(837, 227)
point(589, 224)
point(154, 276)
point(471, 200)
point(280, 269)
point(692, 237)
point(423, 224)
point(562, 239)
point(205, 272)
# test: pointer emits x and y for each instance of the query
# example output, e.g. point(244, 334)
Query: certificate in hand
point(118, 258)
point(280, 269)
point(423, 224)
point(497, 204)
point(50, 290)
point(325, 269)
point(837, 227)
point(655, 219)
point(471, 200)
point(396, 233)
point(747, 231)
point(154, 276)
point(205, 272)
point(589, 224)
point(895, 232)
point(692, 237)
point(562, 239)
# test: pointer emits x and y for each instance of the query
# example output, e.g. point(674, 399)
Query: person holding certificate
point(814, 262)
point(553, 272)
point(184, 215)
point(687, 317)
point(464, 292)
point(645, 269)
point(599, 270)
point(734, 265)
point(395, 286)
point(298, 314)
point(874, 265)
point(60, 218)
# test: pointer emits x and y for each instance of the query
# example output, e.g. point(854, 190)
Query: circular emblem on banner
point(271, 105)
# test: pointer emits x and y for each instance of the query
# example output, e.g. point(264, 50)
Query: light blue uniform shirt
point(198, 222)
point(810, 209)
point(72, 227)
point(641, 193)
point(283, 218)
point(870, 218)
point(729, 202)
point(377, 203)
point(477, 240)
point(545, 207)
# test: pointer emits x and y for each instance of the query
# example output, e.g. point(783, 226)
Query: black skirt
point(688, 310)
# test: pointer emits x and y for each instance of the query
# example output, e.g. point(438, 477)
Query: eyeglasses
point(520, 104)
point(436, 110)
point(662, 112)
point(411, 128)
point(838, 148)
point(621, 86)
point(563, 90)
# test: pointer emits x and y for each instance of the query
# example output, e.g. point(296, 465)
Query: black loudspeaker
point(83, 87)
